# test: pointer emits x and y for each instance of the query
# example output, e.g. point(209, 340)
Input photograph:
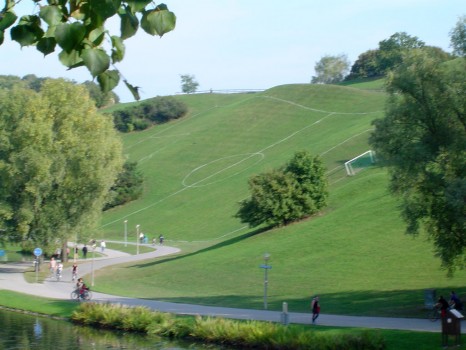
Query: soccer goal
point(359, 163)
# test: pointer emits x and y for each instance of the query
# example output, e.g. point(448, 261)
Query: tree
point(128, 186)
point(78, 28)
point(376, 63)
point(331, 69)
point(58, 160)
point(101, 99)
point(458, 37)
point(391, 50)
point(285, 195)
point(188, 83)
point(422, 140)
point(366, 66)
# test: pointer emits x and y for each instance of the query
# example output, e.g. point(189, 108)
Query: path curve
point(12, 278)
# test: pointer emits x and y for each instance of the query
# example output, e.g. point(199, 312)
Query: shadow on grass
point(200, 251)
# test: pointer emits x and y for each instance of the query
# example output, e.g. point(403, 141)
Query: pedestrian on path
point(103, 245)
point(52, 266)
point(84, 251)
point(315, 307)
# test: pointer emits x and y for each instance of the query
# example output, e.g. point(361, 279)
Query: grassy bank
point(393, 339)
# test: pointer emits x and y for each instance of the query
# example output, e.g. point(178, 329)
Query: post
point(137, 239)
point(92, 262)
point(266, 267)
point(285, 316)
point(126, 233)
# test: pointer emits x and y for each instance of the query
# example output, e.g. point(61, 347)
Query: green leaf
point(69, 36)
point(129, 24)
point(46, 45)
point(105, 8)
point(96, 61)
point(108, 80)
point(134, 90)
point(26, 35)
point(6, 20)
point(97, 36)
point(158, 22)
point(52, 15)
point(138, 5)
point(71, 59)
point(2, 37)
point(118, 50)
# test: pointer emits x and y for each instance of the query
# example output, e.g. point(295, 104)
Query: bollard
point(285, 316)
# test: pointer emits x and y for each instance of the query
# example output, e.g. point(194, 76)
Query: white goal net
point(353, 166)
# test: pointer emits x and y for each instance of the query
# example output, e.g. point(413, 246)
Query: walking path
point(12, 278)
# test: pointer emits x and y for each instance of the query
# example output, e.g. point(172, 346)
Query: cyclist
point(81, 288)
point(59, 270)
point(455, 301)
point(443, 305)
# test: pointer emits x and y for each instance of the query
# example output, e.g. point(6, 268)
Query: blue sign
point(2, 252)
point(37, 252)
point(265, 267)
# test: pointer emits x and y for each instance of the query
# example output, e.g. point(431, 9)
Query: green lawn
point(355, 254)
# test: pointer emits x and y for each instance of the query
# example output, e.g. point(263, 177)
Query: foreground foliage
point(423, 141)
point(78, 29)
point(244, 334)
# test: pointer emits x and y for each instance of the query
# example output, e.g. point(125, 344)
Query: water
point(26, 332)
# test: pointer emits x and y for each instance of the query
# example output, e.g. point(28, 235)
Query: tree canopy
point(77, 29)
point(422, 139)
point(188, 83)
point(331, 69)
point(58, 160)
point(458, 37)
point(281, 196)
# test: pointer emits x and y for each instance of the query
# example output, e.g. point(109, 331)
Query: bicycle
point(84, 295)
point(434, 314)
point(74, 276)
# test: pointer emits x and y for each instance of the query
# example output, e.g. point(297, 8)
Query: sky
point(250, 44)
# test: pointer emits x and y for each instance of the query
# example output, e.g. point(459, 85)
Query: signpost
point(37, 253)
point(266, 267)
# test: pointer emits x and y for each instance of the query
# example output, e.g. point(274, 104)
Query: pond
point(27, 332)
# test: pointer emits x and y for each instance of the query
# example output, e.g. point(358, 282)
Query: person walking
point(455, 301)
point(84, 251)
point(52, 266)
point(103, 245)
point(315, 307)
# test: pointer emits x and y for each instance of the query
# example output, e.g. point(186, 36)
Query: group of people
point(453, 303)
point(56, 268)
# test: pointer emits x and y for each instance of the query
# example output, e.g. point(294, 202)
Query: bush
point(243, 334)
point(157, 110)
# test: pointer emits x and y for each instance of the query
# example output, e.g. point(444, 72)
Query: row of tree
point(332, 69)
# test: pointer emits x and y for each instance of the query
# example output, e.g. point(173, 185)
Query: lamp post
point(92, 263)
point(126, 233)
point(266, 267)
point(137, 239)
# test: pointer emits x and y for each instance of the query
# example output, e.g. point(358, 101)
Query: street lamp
point(266, 267)
point(92, 263)
point(126, 233)
point(137, 239)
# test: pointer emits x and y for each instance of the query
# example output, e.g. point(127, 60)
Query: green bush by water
point(242, 334)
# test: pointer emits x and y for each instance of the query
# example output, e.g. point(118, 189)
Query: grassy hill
point(355, 255)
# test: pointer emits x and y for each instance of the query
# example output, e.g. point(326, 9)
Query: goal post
point(360, 162)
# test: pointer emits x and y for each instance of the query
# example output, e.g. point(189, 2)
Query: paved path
point(11, 278)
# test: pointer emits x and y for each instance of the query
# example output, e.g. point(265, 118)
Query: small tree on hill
point(331, 69)
point(458, 37)
point(188, 83)
point(285, 195)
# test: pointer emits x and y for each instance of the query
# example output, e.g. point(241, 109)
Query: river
point(27, 332)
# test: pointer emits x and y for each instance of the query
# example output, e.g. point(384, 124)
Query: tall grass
point(241, 334)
